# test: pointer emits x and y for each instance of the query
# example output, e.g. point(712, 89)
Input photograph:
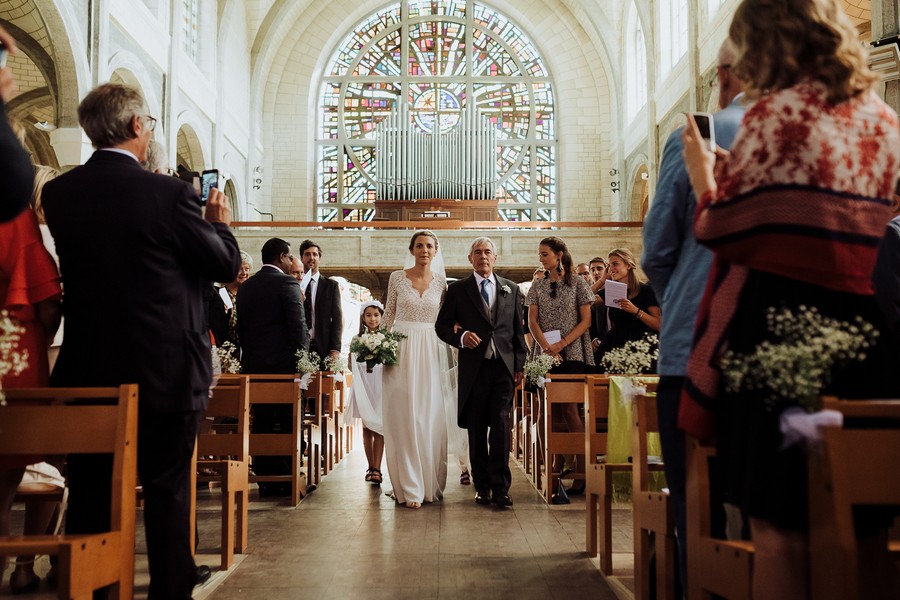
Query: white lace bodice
point(405, 304)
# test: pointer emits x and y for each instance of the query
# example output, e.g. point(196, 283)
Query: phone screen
point(702, 122)
point(210, 179)
point(3, 54)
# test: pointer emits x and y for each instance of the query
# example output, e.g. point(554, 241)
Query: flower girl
point(365, 395)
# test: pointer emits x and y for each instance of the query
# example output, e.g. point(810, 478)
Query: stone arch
point(230, 190)
point(639, 202)
point(73, 74)
point(189, 150)
point(124, 67)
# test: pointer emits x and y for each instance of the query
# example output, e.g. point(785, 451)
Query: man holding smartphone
point(16, 171)
point(678, 267)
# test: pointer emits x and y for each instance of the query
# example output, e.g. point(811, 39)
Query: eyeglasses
point(151, 122)
point(725, 67)
point(553, 289)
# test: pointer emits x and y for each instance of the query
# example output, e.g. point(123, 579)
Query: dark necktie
point(484, 292)
point(307, 303)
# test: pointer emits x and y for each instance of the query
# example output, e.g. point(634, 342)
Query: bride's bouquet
point(376, 348)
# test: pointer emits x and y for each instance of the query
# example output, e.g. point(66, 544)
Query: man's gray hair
point(157, 160)
point(105, 114)
point(481, 241)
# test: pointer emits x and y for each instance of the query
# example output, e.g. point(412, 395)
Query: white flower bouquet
point(806, 351)
point(536, 368)
point(376, 348)
point(307, 364)
point(634, 358)
point(336, 365)
point(227, 360)
point(12, 360)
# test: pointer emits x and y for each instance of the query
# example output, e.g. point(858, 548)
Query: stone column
point(885, 24)
point(72, 147)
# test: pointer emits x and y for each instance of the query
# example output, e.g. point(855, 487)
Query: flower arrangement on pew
point(336, 365)
point(307, 365)
point(12, 360)
point(634, 358)
point(806, 350)
point(536, 369)
point(227, 359)
point(376, 348)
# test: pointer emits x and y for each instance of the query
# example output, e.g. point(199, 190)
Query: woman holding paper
point(559, 316)
point(638, 312)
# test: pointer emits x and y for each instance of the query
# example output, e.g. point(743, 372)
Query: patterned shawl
point(803, 195)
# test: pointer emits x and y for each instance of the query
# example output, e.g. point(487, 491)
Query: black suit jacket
point(463, 305)
point(135, 256)
point(329, 324)
point(271, 324)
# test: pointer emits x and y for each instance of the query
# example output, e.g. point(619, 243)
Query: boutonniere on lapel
point(504, 289)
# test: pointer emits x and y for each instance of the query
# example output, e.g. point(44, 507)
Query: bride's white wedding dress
point(415, 392)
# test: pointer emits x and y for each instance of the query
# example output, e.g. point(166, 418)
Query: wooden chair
point(345, 426)
point(599, 476)
point(225, 451)
point(715, 566)
point(284, 389)
point(560, 390)
point(852, 467)
point(654, 517)
point(322, 391)
point(35, 422)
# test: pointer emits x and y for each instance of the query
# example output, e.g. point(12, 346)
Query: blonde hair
point(634, 284)
point(42, 174)
point(782, 42)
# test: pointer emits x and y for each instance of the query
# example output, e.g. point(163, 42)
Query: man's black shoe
point(502, 500)
point(482, 498)
point(311, 488)
point(203, 575)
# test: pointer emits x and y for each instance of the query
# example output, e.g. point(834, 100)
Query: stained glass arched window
point(443, 57)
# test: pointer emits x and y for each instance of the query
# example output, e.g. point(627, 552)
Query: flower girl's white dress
point(415, 393)
point(365, 396)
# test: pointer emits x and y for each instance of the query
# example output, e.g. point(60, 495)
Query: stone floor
point(349, 540)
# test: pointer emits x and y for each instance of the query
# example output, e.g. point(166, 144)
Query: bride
point(416, 390)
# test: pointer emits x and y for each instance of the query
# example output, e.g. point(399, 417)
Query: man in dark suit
point(482, 316)
point(136, 255)
point(324, 317)
point(599, 322)
point(272, 328)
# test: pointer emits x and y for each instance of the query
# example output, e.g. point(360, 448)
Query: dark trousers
point(165, 448)
point(668, 396)
point(487, 413)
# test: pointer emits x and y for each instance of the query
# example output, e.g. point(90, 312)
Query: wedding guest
point(799, 146)
point(322, 305)
point(584, 271)
point(559, 307)
point(365, 396)
point(635, 315)
point(599, 312)
point(296, 270)
point(138, 319)
point(415, 420)
point(223, 312)
point(886, 277)
point(15, 166)
point(481, 316)
point(677, 267)
point(157, 160)
point(30, 291)
point(271, 329)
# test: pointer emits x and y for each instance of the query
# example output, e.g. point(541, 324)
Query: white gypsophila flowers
point(307, 362)
point(227, 360)
point(806, 351)
point(335, 364)
point(634, 357)
point(536, 369)
point(12, 360)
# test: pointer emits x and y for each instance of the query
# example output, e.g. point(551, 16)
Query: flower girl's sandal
point(376, 477)
point(412, 504)
point(464, 478)
point(369, 474)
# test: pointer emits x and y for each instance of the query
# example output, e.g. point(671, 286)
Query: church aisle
point(349, 540)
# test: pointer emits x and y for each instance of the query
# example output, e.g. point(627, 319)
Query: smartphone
point(704, 123)
point(4, 53)
point(209, 179)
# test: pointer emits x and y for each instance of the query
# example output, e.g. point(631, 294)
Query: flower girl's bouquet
point(376, 348)
point(12, 360)
point(536, 368)
point(307, 365)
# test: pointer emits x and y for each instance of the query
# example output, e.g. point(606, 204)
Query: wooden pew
point(560, 390)
point(226, 451)
point(322, 391)
point(285, 389)
point(851, 467)
point(36, 422)
point(653, 511)
point(715, 566)
point(345, 424)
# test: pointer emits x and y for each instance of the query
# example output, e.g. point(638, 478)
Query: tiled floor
point(349, 540)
